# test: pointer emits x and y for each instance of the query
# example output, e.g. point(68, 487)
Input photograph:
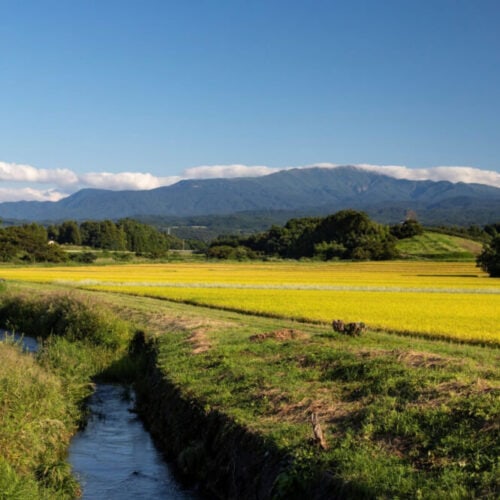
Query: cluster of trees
point(489, 258)
point(28, 243)
point(35, 243)
point(348, 234)
point(126, 234)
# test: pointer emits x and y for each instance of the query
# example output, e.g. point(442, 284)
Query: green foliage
point(492, 229)
point(28, 243)
point(407, 229)
point(69, 233)
point(37, 419)
point(228, 252)
point(124, 235)
point(83, 257)
point(14, 486)
point(103, 234)
point(347, 234)
point(362, 238)
point(432, 245)
point(489, 259)
point(63, 314)
point(142, 238)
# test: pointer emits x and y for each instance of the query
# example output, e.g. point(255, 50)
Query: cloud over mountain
point(125, 180)
point(54, 184)
point(452, 174)
point(15, 172)
point(227, 171)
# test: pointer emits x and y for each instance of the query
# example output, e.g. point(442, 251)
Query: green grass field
point(402, 417)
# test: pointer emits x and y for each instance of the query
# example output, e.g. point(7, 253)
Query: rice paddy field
point(437, 299)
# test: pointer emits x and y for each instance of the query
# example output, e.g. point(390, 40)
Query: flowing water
point(114, 456)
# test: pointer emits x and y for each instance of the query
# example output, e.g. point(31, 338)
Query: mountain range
point(299, 191)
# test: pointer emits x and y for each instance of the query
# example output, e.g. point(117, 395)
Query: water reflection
point(30, 344)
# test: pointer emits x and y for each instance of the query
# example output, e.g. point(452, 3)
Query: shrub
point(84, 257)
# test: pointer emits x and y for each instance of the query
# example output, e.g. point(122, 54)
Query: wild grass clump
point(36, 424)
point(77, 318)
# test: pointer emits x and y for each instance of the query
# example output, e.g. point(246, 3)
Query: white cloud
point(451, 174)
point(125, 180)
point(227, 171)
point(30, 194)
point(26, 173)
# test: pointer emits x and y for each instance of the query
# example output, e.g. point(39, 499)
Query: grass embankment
point(402, 417)
point(36, 424)
point(42, 396)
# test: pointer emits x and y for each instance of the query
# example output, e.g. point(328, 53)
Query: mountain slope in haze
point(291, 190)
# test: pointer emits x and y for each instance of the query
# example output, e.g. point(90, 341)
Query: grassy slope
point(401, 416)
point(437, 246)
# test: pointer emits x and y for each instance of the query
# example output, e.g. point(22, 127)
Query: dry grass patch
point(280, 335)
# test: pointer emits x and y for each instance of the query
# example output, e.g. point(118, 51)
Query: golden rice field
point(454, 300)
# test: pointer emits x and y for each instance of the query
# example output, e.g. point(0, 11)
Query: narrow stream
point(114, 456)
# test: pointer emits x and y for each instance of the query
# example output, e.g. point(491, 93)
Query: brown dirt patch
point(280, 335)
point(471, 246)
point(421, 359)
point(199, 328)
point(323, 404)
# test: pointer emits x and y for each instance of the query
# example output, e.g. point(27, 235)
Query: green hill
point(438, 246)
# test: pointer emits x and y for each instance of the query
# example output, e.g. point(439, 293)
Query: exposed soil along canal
point(114, 456)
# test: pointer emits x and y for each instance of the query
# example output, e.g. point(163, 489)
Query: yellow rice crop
point(378, 274)
point(465, 316)
point(443, 299)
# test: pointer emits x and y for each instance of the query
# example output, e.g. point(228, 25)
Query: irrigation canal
point(114, 456)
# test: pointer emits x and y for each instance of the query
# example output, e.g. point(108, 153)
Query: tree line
point(348, 234)
point(37, 243)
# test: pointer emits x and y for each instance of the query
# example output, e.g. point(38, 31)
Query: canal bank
point(113, 456)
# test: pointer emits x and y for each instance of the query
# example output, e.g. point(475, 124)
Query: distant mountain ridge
point(307, 190)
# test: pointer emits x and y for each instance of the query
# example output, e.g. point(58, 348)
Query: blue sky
point(96, 89)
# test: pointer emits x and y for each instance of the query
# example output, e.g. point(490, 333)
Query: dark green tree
point(143, 238)
point(69, 233)
point(103, 234)
point(489, 259)
point(354, 236)
point(407, 229)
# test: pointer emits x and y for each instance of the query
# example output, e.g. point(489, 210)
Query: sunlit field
point(454, 300)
